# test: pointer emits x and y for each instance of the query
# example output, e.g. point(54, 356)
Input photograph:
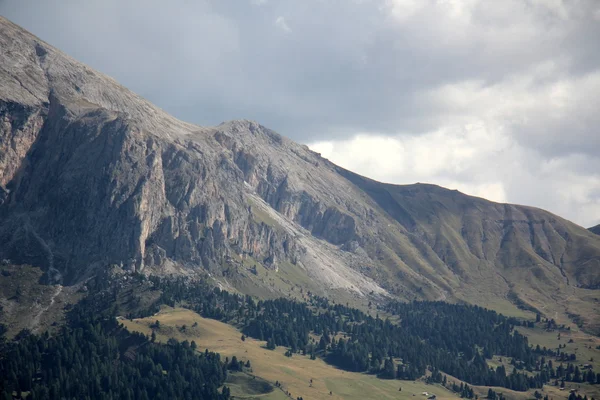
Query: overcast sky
point(496, 98)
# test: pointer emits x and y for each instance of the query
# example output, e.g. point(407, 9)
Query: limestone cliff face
point(93, 175)
point(93, 189)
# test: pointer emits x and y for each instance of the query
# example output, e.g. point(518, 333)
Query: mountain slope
point(92, 175)
point(595, 229)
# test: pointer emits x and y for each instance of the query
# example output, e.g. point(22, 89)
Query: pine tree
point(389, 372)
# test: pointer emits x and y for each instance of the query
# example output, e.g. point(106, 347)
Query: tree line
point(453, 338)
point(94, 357)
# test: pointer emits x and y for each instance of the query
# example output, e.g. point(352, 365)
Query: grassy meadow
point(293, 373)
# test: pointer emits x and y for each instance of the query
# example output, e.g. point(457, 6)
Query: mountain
point(595, 229)
point(92, 176)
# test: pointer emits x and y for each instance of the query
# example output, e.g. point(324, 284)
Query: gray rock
point(92, 175)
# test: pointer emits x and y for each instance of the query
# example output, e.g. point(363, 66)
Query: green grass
point(246, 386)
point(282, 280)
point(497, 361)
point(580, 346)
point(293, 275)
point(505, 307)
point(261, 216)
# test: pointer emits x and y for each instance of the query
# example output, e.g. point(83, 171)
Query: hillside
point(92, 175)
point(294, 373)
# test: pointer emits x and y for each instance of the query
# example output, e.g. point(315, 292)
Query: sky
point(498, 99)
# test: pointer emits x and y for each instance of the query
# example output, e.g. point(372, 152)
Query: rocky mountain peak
point(92, 176)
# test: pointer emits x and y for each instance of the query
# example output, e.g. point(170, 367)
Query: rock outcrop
point(92, 175)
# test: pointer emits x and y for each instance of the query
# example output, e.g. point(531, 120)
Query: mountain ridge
point(92, 175)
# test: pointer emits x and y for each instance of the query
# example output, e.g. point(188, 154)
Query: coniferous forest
point(436, 336)
point(93, 357)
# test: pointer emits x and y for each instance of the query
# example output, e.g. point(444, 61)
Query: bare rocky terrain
point(92, 176)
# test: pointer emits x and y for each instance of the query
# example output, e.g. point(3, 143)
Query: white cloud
point(282, 24)
point(403, 10)
point(543, 108)
point(490, 166)
point(531, 139)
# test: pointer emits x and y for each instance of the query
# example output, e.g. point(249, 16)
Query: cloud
point(450, 158)
point(495, 98)
point(543, 108)
point(480, 161)
point(281, 24)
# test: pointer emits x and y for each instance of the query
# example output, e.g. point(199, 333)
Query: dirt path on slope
point(35, 321)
